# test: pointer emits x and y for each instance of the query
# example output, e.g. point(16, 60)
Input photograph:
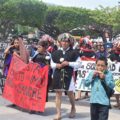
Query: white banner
point(88, 66)
point(115, 69)
point(83, 72)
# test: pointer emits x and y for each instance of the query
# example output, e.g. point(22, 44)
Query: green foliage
point(35, 13)
point(107, 16)
point(67, 18)
point(25, 12)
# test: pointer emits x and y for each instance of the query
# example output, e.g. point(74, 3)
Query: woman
point(64, 61)
point(17, 48)
point(102, 52)
point(8, 53)
point(42, 57)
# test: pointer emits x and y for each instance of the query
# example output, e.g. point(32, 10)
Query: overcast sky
point(91, 4)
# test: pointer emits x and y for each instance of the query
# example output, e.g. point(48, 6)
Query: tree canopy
point(24, 12)
point(54, 20)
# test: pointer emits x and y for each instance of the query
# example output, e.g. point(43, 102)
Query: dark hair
point(102, 59)
point(13, 40)
point(43, 44)
point(20, 36)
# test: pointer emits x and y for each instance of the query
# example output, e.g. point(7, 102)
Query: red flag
point(26, 85)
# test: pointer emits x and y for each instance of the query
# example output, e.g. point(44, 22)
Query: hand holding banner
point(26, 85)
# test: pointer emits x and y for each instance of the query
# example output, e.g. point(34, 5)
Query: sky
point(89, 4)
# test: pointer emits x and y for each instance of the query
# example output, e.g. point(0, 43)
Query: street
point(8, 112)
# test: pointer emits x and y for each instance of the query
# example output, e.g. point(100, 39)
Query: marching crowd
point(64, 58)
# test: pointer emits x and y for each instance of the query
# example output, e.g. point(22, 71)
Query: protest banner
point(115, 69)
point(26, 85)
point(83, 71)
point(87, 66)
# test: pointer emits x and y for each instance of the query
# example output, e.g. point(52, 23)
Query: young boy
point(99, 100)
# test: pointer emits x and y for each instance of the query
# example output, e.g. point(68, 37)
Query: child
point(99, 100)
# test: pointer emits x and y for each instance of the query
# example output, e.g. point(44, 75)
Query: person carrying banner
point(42, 57)
point(13, 48)
point(64, 61)
point(86, 52)
point(16, 47)
point(99, 101)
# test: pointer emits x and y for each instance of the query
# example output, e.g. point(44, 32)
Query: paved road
point(7, 112)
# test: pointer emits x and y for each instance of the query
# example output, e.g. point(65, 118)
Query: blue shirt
point(98, 94)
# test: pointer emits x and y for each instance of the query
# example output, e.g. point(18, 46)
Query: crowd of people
point(64, 58)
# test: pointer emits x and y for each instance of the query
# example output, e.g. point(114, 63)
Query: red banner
point(88, 58)
point(26, 85)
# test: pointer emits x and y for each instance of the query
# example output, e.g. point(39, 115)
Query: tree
point(49, 26)
point(70, 18)
point(23, 12)
point(105, 20)
point(98, 21)
point(63, 19)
